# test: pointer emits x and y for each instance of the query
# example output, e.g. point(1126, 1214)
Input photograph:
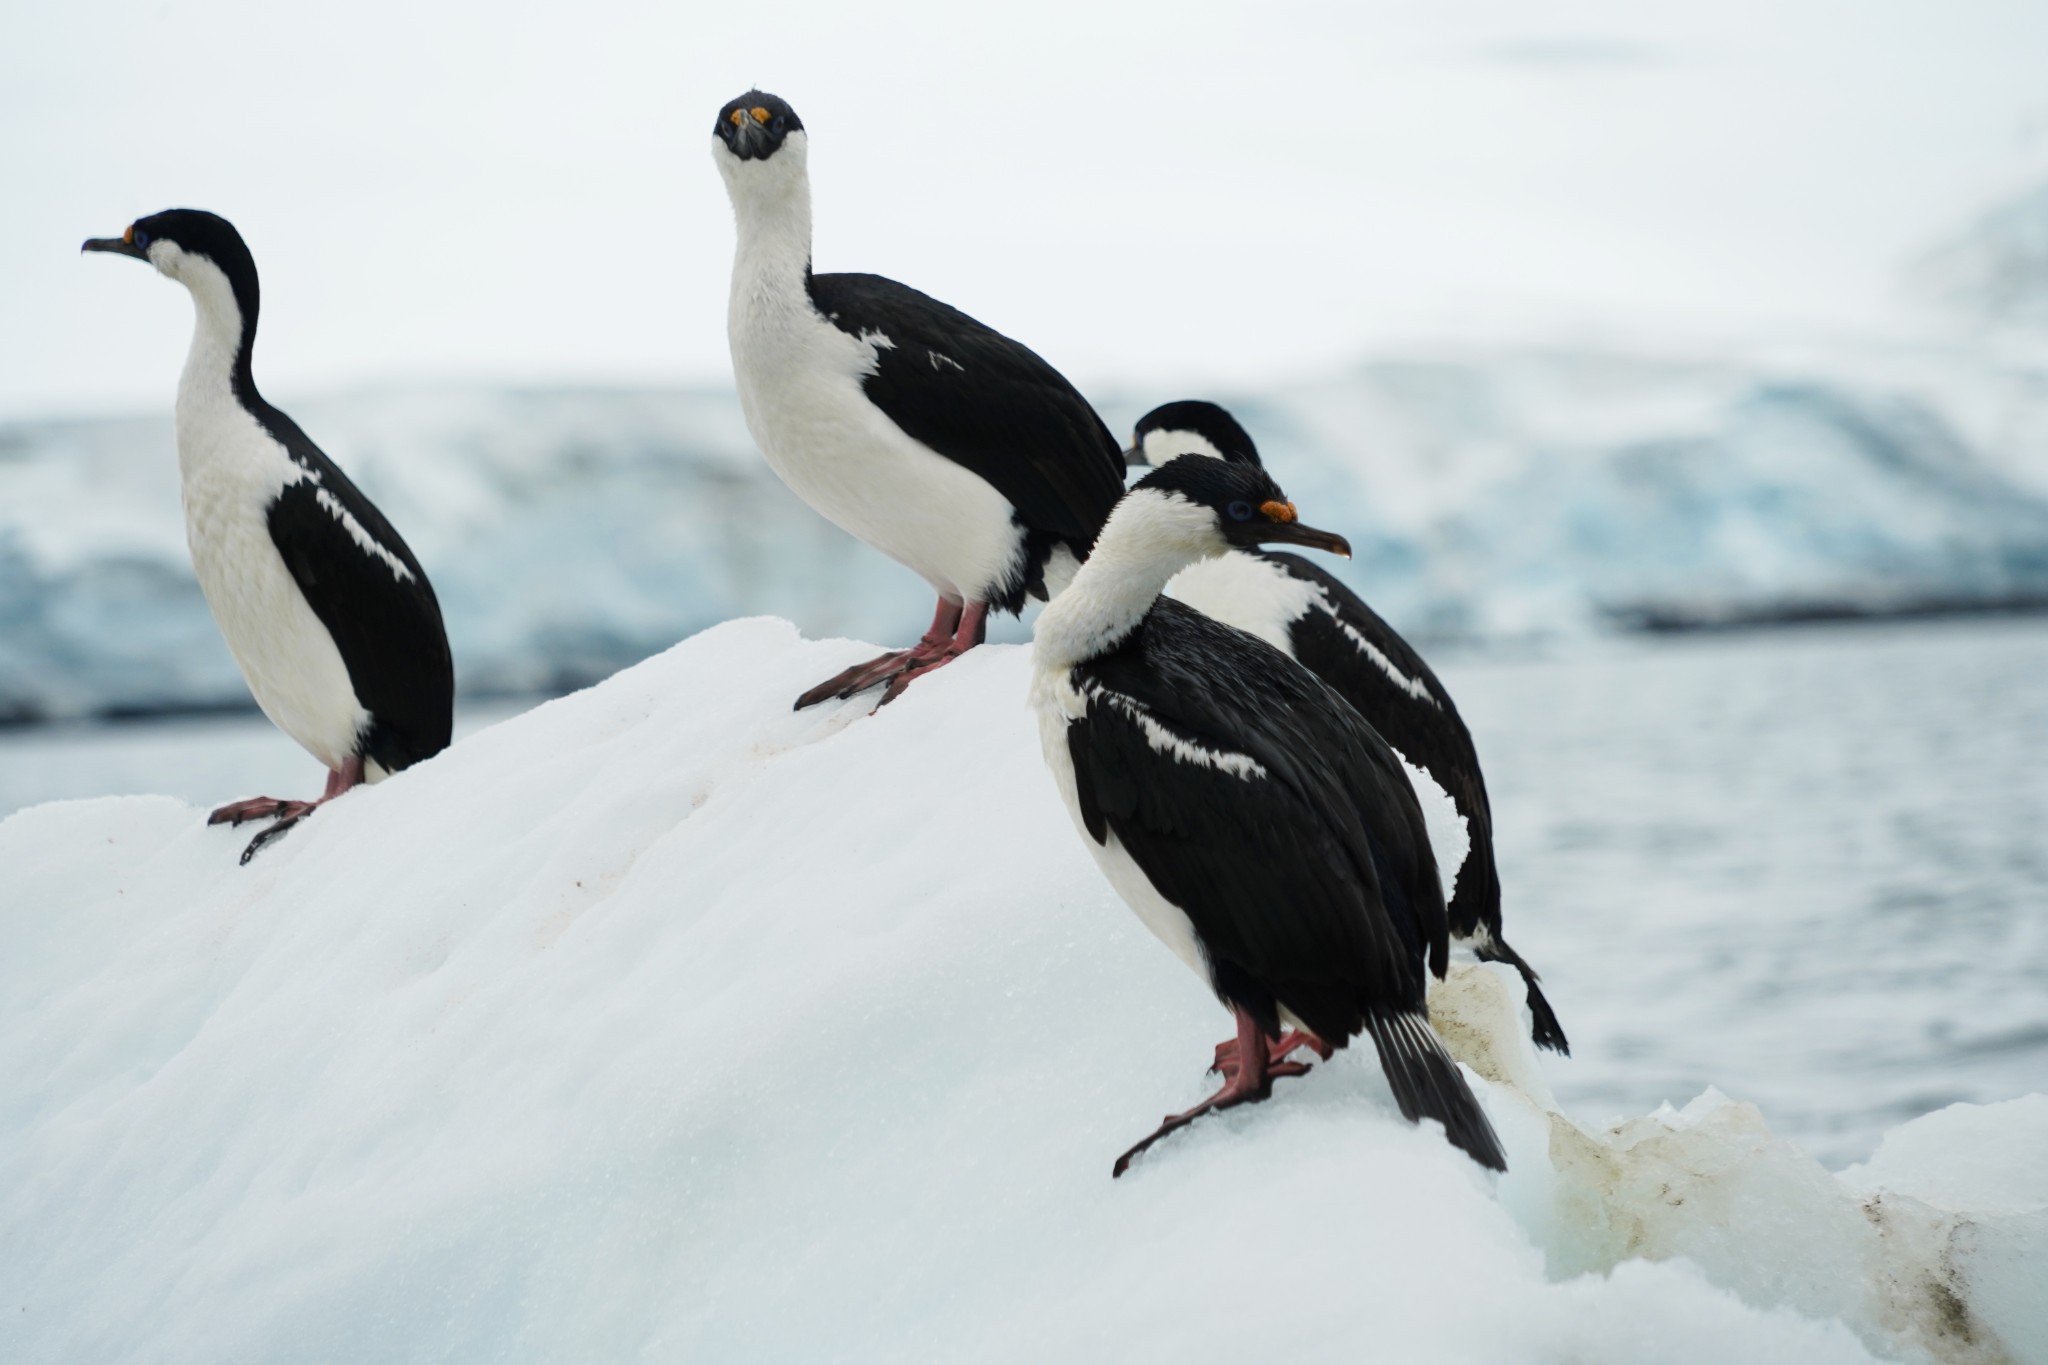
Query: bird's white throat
point(771, 207)
point(208, 381)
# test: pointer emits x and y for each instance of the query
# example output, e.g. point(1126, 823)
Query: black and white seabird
point(1245, 811)
point(326, 611)
point(942, 443)
point(1312, 618)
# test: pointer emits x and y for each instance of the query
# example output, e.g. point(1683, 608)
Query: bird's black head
point(1188, 427)
point(182, 242)
point(754, 126)
point(1247, 506)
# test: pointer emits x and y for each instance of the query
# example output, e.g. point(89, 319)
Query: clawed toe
point(859, 678)
point(273, 834)
point(1226, 1067)
point(900, 683)
point(258, 808)
point(955, 629)
point(1236, 1090)
point(1242, 1084)
point(1287, 1044)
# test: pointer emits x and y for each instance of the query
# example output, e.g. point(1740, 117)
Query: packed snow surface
point(662, 1022)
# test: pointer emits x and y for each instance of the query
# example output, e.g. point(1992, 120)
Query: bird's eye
point(1239, 511)
point(142, 239)
point(780, 122)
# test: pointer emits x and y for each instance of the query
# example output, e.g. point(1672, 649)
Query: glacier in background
point(1492, 493)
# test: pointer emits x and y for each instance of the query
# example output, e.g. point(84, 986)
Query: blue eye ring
point(779, 123)
point(1239, 510)
point(141, 239)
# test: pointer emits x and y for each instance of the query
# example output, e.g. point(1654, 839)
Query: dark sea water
point(1809, 867)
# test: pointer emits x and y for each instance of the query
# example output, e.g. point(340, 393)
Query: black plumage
point(1308, 883)
point(990, 405)
point(1249, 814)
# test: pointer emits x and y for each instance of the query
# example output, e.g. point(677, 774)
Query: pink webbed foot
point(1241, 1085)
point(286, 813)
point(1277, 1052)
point(955, 629)
point(973, 629)
point(258, 808)
point(266, 837)
point(858, 678)
point(844, 684)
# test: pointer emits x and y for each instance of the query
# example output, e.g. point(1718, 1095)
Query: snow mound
point(662, 1022)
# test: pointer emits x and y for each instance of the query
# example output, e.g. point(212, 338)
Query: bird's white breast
point(232, 469)
point(799, 381)
point(1253, 594)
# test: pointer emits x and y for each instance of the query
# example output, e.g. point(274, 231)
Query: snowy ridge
point(1487, 492)
point(661, 1022)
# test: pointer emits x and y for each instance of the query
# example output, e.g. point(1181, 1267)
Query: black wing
point(1349, 646)
point(984, 402)
point(1310, 882)
point(373, 598)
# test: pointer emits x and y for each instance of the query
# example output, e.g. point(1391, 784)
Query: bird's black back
point(990, 405)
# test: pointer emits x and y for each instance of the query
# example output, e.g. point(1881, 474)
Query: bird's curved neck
point(1140, 550)
point(223, 343)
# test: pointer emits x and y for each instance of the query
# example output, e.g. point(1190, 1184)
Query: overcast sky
point(1161, 193)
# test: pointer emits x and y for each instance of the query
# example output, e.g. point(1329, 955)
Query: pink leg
point(937, 640)
point(1291, 1041)
point(972, 630)
point(287, 813)
point(1245, 1085)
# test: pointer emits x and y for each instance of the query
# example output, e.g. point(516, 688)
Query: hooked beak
point(1294, 533)
point(747, 136)
point(1277, 524)
point(119, 246)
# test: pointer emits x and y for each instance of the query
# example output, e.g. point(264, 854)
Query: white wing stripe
point(1164, 741)
point(1414, 687)
point(365, 542)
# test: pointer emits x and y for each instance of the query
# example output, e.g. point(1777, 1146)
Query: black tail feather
point(1544, 1029)
point(1428, 1084)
